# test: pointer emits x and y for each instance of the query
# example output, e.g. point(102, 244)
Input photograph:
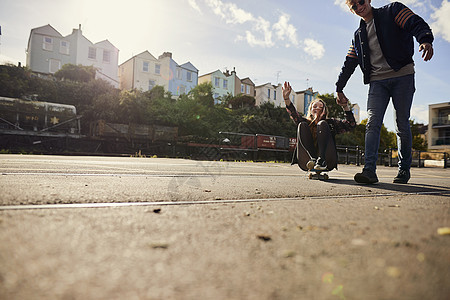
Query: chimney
point(165, 54)
point(234, 71)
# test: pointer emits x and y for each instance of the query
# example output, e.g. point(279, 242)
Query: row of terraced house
point(48, 51)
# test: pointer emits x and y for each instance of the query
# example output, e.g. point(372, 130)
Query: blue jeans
point(401, 90)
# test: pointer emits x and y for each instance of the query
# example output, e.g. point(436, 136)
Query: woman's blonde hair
point(324, 114)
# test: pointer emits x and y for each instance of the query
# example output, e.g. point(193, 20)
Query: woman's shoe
point(310, 164)
point(321, 164)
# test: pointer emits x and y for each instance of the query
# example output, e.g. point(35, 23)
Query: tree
point(418, 143)
point(203, 93)
point(78, 73)
point(239, 101)
point(334, 109)
point(356, 137)
point(14, 81)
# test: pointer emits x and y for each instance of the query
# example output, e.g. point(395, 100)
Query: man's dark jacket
point(395, 26)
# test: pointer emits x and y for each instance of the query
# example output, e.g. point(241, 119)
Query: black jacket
point(396, 25)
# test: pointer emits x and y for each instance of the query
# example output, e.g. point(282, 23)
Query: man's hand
point(341, 100)
point(427, 49)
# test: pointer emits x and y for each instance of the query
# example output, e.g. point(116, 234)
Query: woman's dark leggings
point(306, 150)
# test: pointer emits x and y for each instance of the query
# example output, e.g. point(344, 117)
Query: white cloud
point(419, 113)
point(314, 48)
point(287, 31)
point(262, 32)
point(342, 5)
point(195, 6)
point(229, 12)
point(259, 32)
point(441, 24)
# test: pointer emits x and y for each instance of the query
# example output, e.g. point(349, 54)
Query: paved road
point(146, 228)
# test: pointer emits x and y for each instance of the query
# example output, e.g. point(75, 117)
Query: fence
point(355, 155)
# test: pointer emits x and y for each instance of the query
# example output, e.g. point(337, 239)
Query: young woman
point(316, 146)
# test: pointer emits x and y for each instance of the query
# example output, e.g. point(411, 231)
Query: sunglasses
point(361, 2)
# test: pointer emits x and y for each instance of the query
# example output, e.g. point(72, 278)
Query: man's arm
point(408, 20)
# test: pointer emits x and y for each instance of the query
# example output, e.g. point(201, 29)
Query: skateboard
point(318, 174)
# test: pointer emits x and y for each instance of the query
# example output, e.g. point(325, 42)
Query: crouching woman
point(316, 145)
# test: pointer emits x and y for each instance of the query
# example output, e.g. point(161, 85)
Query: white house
point(269, 93)
point(48, 51)
point(144, 71)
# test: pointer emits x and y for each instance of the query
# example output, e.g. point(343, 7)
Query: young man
point(383, 47)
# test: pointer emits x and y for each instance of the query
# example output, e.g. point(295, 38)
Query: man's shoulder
point(393, 6)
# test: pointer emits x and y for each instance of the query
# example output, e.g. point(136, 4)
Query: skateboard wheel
point(310, 175)
point(325, 176)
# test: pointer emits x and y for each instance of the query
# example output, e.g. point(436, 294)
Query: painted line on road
point(196, 174)
point(203, 202)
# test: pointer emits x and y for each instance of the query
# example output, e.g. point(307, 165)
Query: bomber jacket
point(395, 26)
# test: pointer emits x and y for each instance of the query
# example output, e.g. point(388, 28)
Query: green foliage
point(334, 109)
point(356, 137)
point(14, 81)
point(203, 93)
point(194, 114)
point(239, 101)
point(78, 73)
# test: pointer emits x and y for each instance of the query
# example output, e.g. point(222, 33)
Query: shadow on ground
point(402, 188)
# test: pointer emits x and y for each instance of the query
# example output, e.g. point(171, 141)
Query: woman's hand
point(286, 91)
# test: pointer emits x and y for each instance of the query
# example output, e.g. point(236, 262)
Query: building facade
point(221, 83)
point(302, 99)
point(269, 93)
point(48, 51)
point(439, 126)
point(246, 87)
point(144, 71)
point(228, 83)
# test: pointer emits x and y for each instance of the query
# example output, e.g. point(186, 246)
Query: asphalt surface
point(153, 228)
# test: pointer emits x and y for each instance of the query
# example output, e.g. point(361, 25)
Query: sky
point(303, 42)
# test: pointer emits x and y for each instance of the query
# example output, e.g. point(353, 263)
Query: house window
point(92, 54)
point(145, 66)
point(242, 88)
point(157, 69)
point(151, 84)
point(225, 84)
point(48, 43)
point(274, 95)
point(189, 76)
point(217, 82)
point(54, 65)
point(268, 93)
point(64, 47)
point(248, 89)
point(179, 73)
point(106, 56)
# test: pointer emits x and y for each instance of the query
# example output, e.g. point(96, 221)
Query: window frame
point(92, 50)
point(67, 47)
point(47, 45)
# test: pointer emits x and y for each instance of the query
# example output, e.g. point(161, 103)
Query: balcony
point(441, 122)
point(441, 141)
